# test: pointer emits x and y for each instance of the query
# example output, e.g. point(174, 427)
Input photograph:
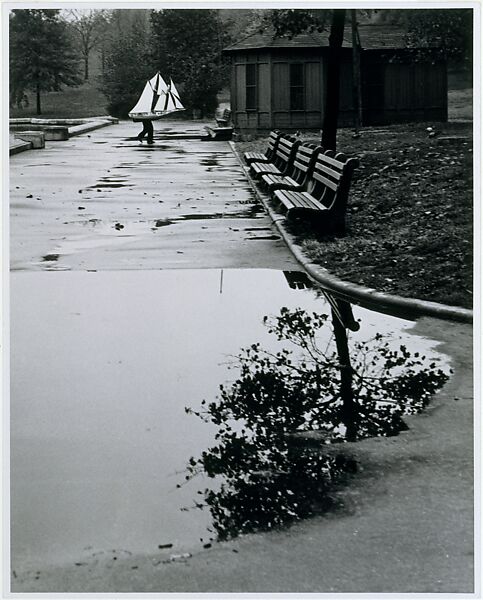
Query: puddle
point(264, 237)
point(109, 185)
point(255, 211)
point(102, 368)
point(209, 162)
point(163, 222)
point(50, 257)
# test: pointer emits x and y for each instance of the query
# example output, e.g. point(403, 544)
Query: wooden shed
point(279, 83)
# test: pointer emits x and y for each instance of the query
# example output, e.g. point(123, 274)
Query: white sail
point(153, 90)
point(169, 101)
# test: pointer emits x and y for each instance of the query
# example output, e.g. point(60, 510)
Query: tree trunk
point(37, 92)
point(331, 113)
point(103, 59)
point(349, 409)
point(86, 67)
point(356, 73)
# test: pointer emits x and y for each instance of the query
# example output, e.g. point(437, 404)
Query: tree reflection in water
point(264, 478)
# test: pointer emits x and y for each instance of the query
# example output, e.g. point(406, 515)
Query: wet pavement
point(103, 363)
point(103, 201)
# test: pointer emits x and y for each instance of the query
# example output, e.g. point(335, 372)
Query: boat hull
point(138, 117)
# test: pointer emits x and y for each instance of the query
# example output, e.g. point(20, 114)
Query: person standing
point(148, 130)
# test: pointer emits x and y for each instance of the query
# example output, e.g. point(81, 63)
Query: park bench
point(223, 130)
point(298, 174)
point(326, 193)
point(282, 160)
point(269, 153)
point(224, 119)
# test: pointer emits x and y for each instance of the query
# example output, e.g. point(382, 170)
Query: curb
point(86, 127)
point(369, 297)
point(73, 131)
point(18, 147)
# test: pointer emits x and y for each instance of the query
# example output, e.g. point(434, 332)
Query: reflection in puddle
point(50, 257)
point(298, 280)
point(102, 366)
point(266, 474)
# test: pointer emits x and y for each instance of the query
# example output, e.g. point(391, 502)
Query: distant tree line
point(51, 48)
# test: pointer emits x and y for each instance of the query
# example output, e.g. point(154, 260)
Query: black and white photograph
point(241, 299)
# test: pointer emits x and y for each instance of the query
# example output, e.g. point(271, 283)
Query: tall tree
point(294, 21)
point(42, 58)
point(89, 27)
point(187, 46)
point(331, 113)
point(127, 67)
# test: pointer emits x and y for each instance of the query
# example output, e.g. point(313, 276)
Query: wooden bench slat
point(313, 202)
point(334, 162)
point(260, 168)
point(325, 170)
point(330, 184)
point(272, 179)
point(284, 199)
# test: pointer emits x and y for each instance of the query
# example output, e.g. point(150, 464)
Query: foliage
point(449, 30)
point(266, 480)
point(187, 46)
point(89, 27)
point(291, 22)
point(126, 68)
point(242, 22)
point(42, 58)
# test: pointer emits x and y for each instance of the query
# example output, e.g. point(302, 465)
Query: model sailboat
point(157, 99)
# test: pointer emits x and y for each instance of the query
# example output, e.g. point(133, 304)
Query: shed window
point(251, 83)
point(297, 87)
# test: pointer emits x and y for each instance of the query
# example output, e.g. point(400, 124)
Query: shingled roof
point(372, 37)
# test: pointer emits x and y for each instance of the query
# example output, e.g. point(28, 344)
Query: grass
point(70, 103)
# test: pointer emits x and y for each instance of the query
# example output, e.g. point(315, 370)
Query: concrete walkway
point(103, 202)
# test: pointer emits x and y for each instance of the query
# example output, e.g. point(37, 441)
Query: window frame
point(297, 88)
point(251, 88)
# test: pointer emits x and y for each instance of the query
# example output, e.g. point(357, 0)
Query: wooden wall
point(393, 91)
point(401, 91)
point(274, 92)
